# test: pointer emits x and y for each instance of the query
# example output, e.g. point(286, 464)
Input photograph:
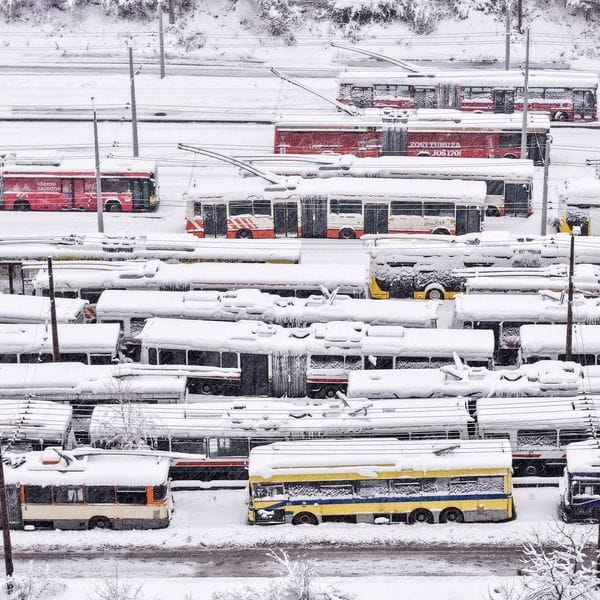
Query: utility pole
point(2, 181)
point(161, 40)
point(8, 560)
point(99, 206)
point(520, 16)
point(507, 38)
point(545, 189)
point(569, 340)
point(53, 323)
point(525, 100)
point(134, 129)
point(171, 12)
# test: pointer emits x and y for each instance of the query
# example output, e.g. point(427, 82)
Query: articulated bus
point(131, 309)
point(221, 434)
point(88, 489)
point(580, 206)
point(428, 133)
point(563, 95)
point(380, 480)
point(70, 184)
point(253, 358)
point(436, 267)
point(333, 208)
point(509, 182)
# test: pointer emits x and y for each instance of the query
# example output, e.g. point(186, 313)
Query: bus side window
point(536, 438)
point(494, 188)
point(228, 447)
point(171, 356)
point(8, 358)
point(152, 356)
point(100, 494)
point(490, 484)
point(37, 494)
point(407, 488)
point(197, 209)
point(74, 357)
point(204, 358)
point(229, 360)
point(68, 494)
point(131, 495)
point(189, 446)
point(100, 359)
point(569, 436)
point(379, 362)
point(35, 358)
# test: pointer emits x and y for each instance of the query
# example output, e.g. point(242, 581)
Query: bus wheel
point(559, 115)
point(424, 154)
point(347, 234)
point(421, 515)
point(329, 391)
point(305, 518)
point(22, 205)
point(244, 234)
point(452, 515)
point(100, 523)
point(434, 294)
point(532, 469)
point(509, 156)
point(112, 207)
point(441, 232)
point(207, 388)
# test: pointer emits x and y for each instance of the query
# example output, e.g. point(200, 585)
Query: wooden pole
point(569, 340)
point(8, 559)
point(53, 323)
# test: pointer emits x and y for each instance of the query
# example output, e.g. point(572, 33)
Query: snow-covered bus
point(385, 480)
point(563, 95)
point(333, 208)
point(509, 182)
point(580, 206)
point(548, 342)
point(18, 308)
point(131, 308)
point(88, 281)
point(253, 358)
point(222, 434)
point(436, 267)
point(88, 489)
point(504, 314)
point(70, 184)
point(90, 344)
point(427, 133)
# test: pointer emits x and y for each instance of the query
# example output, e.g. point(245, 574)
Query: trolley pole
point(134, 127)
point(161, 40)
point(8, 559)
point(545, 188)
point(569, 340)
point(525, 100)
point(53, 323)
point(99, 207)
point(507, 37)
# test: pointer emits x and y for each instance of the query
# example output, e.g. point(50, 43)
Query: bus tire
point(207, 389)
point(112, 206)
point(424, 154)
point(305, 518)
point(420, 515)
point(244, 234)
point(560, 115)
point(532, 469)
point(347, 234)
point(100, 523)
point(441, 231)
point(452, 515)
point(22, 205)
point(329, 391)
point(492, 211)
point(434, 293)
point(509, 155)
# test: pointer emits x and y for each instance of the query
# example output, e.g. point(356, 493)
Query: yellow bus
point(380, 481)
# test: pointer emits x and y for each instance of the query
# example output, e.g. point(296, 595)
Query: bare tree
point(299, 582)
point(562, 569)
point(115, 588)
point(35, 585)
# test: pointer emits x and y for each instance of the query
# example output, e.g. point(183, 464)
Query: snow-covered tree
point(299, 582)
point(34, 584)
point(560, 569)
point(115, 588)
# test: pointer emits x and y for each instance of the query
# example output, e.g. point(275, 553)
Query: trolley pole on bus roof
point(53, 323)
point(161, 40)
point(8, 560)
point(134, 128)
point(507, 37)
point(545, 188)
point(569, 340)
point(99, 207)
point(525, 100)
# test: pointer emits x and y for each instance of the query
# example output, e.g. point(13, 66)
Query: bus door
point(425, 97)
point(254, 374)
point(516, 199)
point(215, 220)
point(468, 220)
point(504, 101)
point(285, 219)
point(376, 217)
point(68, 193)
point(583, 104)
point(13, 505)
point(289, 375)
point(536, 147)
point(314, 216)
point(394, 141)
point(362, 97)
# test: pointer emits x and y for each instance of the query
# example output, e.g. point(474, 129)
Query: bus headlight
point(153, 199)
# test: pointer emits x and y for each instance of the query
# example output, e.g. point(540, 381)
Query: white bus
point(88, 489)
point(333, 208)
point(509, 182)
point(131, 308)
point(436, 267)
point(223, 433)
point(580, 205)
point(580, 494)
point(18, 308)
point(505, 313)
point(90, 344)
point(253, 358)
point(27, 424)
point(81, 280)
point(541, 342)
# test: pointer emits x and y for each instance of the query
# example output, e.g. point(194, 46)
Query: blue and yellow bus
point(380, 481)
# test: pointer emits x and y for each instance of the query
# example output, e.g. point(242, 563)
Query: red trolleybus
point(563, 95)
point(127, 185)
point(429, 133)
